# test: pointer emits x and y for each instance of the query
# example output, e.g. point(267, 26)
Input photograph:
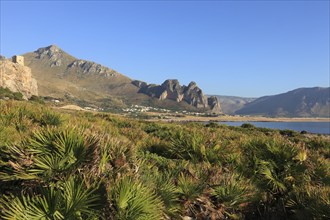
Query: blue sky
point(242, 48)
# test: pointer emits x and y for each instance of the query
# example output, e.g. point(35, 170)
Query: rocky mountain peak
point(50, 51)
point(53, 53)
point(192, 84)
point(214, 104)
point(171, 84)
point(171, 89)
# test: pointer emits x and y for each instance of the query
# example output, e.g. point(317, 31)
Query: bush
point(37, 99)
point(289, 133)
point(6, 93)
point(248, 126)
point(50, 118)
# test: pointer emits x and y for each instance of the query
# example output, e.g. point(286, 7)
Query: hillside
point(230, 104)
point(303, 102)
point(60, 74)
point(65, 164)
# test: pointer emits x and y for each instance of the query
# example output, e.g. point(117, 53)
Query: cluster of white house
point(141, 108)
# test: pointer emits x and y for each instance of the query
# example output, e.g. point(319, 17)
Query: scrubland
point(59, 164)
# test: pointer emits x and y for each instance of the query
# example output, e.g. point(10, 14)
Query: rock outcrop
point(53, 53)
point(88, 67)
point(172, 90)
point(55, 57)
point(17, 78)
point(214, 104)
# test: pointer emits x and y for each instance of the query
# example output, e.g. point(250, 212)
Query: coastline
point(229, 118)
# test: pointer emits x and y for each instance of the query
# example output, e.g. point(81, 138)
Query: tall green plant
point(70, 199)
point(131, 200)
point(49, 154)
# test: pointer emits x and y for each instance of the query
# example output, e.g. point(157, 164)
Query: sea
point(310, 127)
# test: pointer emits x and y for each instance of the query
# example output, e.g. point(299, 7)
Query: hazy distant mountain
point(230, 104)
point(62, 75)
point(303, 102)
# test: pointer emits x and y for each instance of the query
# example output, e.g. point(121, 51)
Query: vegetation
point(5, 93)
point(57, 164)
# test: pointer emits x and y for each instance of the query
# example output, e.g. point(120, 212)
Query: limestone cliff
point(88, 67)
point(172, 90)
point(17, 78)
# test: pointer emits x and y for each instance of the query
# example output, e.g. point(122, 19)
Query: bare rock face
point(89, 67)
point(53, 53)
point(63, 63)
point(214, 104)
point(139, 83)
point(194, 96)
point(17, 78)
point(172, 90)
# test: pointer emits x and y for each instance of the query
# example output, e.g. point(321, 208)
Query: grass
point(57, 164)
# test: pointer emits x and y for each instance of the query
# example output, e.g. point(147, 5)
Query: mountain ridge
point(301, 102)
point(59, 73)
point(171, 89)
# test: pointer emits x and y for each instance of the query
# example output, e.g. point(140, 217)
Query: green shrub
point(50, 118)
point(6, 93)
point(37, 99)
point(248, 126)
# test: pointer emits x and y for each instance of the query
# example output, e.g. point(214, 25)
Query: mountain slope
point(62, 75)
point(302, 102)
point(230, 104)
point(58, 73)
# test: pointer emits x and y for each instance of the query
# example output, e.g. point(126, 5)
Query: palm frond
point(69, 200)
point(132, 200)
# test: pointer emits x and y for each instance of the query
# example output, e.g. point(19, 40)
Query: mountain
point(60, 74)
point(17, 78)
point(230, 104)
point(172, 90)
point(302, 102)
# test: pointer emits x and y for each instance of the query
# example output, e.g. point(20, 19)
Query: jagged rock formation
point(231, 104)
point(59, 74)
point(53, 56)
point(214, 104)
point(303, 102)
point(172, 90)
point(17, 78)
point(88, 67)
point(53, 53)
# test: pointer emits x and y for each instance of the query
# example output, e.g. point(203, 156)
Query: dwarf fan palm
point(49, 154)
point(131, 200)
point(70, 199)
